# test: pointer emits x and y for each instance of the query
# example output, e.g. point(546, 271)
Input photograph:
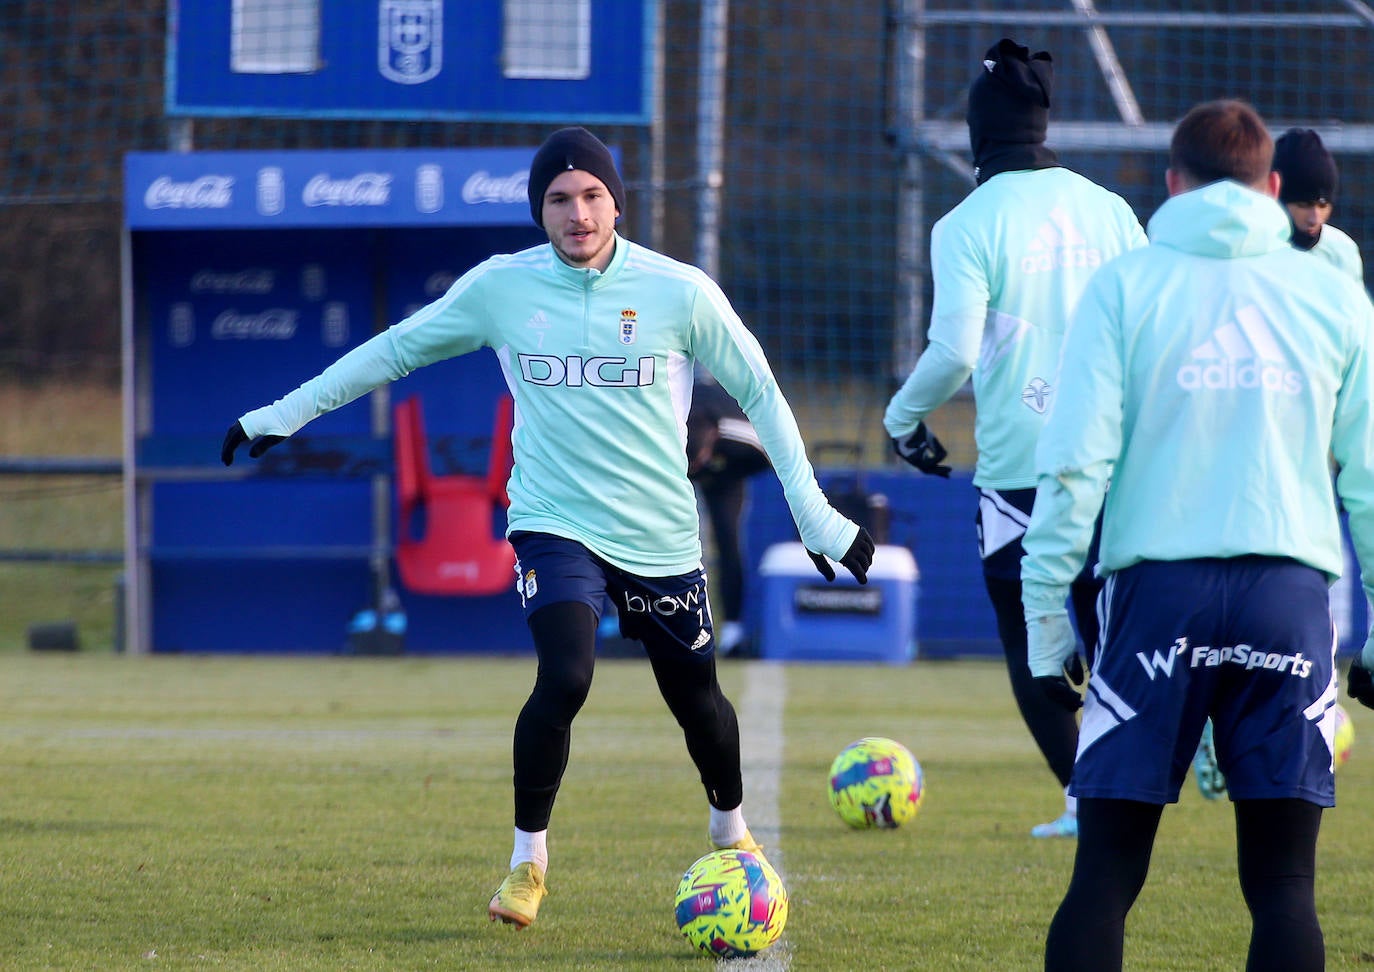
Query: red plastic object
point(445, 543)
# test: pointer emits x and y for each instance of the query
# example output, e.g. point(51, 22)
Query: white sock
point(727, 826)
point(1070, 803)
point(531, 846)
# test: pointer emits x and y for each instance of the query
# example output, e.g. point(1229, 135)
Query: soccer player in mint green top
point(1008, 265)
point(1307, 189)
point(597, 337)
point(1208, 376)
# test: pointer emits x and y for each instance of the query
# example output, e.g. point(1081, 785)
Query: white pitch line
point(760, 730)
point(760, 714)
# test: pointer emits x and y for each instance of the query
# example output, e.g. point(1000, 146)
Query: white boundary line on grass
point(760, 730)
point(760, 713)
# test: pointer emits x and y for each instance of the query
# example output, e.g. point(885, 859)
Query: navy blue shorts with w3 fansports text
point(662, 612)
point(1247, 641)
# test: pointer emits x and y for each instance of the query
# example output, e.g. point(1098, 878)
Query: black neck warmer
point(994, 157)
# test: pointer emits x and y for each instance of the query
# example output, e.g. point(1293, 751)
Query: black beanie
point(1009, 101)
point(1307, 169)
point(567, 149)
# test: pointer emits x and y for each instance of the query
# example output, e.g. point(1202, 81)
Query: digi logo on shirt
point(573, 371)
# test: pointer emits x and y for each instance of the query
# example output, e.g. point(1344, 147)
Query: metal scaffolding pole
point(711, 132)
point(908, 97)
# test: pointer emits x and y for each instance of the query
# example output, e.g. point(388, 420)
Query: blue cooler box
point(807, 619)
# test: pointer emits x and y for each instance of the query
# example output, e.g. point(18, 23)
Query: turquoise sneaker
point(1210, 779)
point(1065, 825)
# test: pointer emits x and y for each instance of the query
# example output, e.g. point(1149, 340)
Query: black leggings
point(1054, 728)
point(565, 642)
point(1276, 850)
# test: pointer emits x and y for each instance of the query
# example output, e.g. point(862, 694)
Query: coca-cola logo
point(483, 187)
point(254, 280)
point(207, 192)
point(363, 189)
point(437, 284)
point(273, 324)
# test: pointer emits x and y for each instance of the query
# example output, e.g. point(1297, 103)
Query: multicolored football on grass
point(876, 782)
point(731, 903)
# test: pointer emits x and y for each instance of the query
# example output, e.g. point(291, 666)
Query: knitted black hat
point(567, 149)
point(1009, 101)
point(1307, 169)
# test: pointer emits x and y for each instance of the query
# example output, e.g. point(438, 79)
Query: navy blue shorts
point(1003, 515)
point(658, 611)
point(1247, 641)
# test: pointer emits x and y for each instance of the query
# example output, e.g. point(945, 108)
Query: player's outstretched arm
point(236, 437)
point(857, 559)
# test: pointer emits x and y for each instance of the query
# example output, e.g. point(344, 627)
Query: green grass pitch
point(333, 814)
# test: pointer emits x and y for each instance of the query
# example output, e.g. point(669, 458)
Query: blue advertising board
point(339, 188)
point(497, 60)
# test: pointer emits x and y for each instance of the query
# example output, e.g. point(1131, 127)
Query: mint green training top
point(1210, 375)
point(1008, 264)
point(600, 366)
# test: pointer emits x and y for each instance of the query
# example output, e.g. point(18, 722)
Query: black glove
point(857, 559)
point(1059, 691)
point(1359, 684)
point(236, 437)
point(923, 451)
point(1075, 671)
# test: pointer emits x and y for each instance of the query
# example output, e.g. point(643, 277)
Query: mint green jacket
point(600, 367)
point(1008, 264)
point(1209, 376)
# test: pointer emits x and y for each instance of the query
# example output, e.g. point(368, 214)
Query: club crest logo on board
point(410, 37)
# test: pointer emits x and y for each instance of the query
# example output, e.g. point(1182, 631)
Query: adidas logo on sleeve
point(1240, 354)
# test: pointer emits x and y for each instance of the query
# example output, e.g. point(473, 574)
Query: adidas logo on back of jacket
point(1240, 354)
